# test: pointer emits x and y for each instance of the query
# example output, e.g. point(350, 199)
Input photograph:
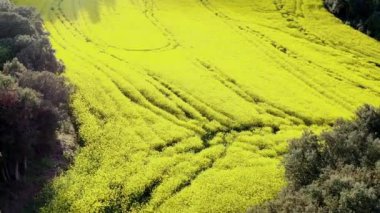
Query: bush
point(23, 36)
point(7, 22)
point(37, 54)
point(5, 5)
point(361, 14)
point(338, 171)
point(51, 86)
point(304, 163)
point(14, 68)
point(373, 24)
point(5, 53)
point(19, 108)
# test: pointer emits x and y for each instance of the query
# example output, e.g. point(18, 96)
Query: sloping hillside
point(186, 106)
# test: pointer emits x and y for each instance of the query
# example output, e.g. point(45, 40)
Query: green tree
point(338, 171)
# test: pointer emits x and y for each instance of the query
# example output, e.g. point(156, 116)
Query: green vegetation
point(5, 53)
point(22, 36)
point(29, 116)
point(186, 106)
point(33, 104)
point(361, 14)
point(338, 171)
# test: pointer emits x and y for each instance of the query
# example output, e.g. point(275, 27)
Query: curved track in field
point(186, 106)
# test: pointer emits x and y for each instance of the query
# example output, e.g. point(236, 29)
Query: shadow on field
point(70, 10)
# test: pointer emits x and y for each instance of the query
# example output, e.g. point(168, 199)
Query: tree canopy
point(361, 14)
point(337, 171)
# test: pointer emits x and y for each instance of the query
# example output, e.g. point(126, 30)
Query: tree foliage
point(31, 106)
point(338, 171)
point(33, 97)
point(22, 35)
point(361, 14)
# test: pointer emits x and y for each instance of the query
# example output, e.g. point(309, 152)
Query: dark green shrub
point(13, 68)
point(23, 36)
point(52, 87)
point(6, 83)
point(29, 116)
point(18, 109)
point(304, 163)
point(8, 21)
point(37, 54)
point(5, 54)
point(361, 14)
point(373, 25)
point(338, 171)
point(5, 5)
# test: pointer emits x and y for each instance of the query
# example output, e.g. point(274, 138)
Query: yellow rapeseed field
point(187, 105)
